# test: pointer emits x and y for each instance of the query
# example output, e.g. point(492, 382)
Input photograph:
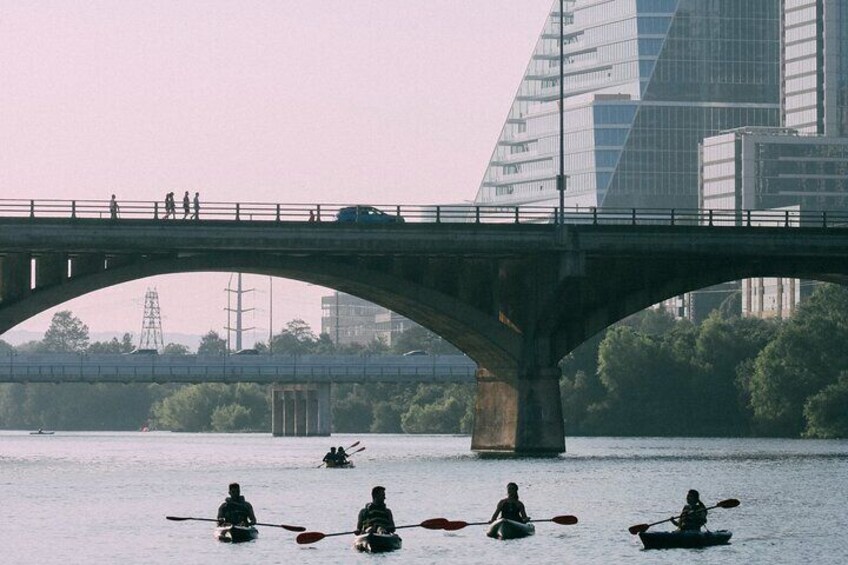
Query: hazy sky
point(318, 101)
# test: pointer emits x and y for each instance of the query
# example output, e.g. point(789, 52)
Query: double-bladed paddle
point(565, 520)
point(312, 537)
point(284, 526)
point(349, 447)
point(639, 528)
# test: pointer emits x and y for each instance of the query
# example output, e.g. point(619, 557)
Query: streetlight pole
point(561, 175)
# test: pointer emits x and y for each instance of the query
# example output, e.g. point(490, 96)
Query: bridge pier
point(301, 410)
point(518, 415)
point(14, 276)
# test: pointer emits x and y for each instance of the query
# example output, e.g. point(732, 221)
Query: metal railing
point(437, 213)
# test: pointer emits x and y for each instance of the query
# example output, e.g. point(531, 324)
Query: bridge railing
point(450, 213)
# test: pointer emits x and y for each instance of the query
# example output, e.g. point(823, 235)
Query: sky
point(288, 101)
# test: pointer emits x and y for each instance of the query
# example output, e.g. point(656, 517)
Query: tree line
point(647, 375)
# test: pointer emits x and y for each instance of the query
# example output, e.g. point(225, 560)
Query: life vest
point(693, 516)
point(235, 511)
point(511, 510)
point(377, 516)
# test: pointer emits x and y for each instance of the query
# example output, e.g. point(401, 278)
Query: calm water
point(102, 497)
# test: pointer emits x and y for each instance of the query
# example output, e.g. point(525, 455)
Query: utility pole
point(239, 311)
point(151, 322)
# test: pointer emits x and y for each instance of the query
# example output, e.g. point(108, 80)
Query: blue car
point(366, 215)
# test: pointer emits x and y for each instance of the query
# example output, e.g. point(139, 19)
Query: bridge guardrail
point(436, 213)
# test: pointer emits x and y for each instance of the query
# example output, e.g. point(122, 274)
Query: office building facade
point(644, 82)
point(802, 166)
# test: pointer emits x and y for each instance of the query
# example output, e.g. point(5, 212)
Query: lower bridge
point(300, 384)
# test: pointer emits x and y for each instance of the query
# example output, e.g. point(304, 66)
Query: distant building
point(644, 82)
point(774, 169)
point(802, 166)
point(349, 320)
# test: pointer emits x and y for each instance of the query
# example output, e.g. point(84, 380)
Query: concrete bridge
point(260, 369)
point(515, 289)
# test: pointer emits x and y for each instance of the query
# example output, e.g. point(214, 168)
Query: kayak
point(40, 433)
point(236, 534)
point(510, 529)
point(345, 465)
point(688, 539)
point(377, 542)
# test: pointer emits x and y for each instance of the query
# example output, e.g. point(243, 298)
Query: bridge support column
point(50, 269)
point(521, 415)
point(301, 410)
point(14, 276)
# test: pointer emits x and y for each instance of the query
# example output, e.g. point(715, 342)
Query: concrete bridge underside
point(516, 304)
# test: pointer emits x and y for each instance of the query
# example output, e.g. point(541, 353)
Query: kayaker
point(693, 515)
point(341, 456)
point(235, 509)
point(510, 508)
point(330, 458)
point(375, 515)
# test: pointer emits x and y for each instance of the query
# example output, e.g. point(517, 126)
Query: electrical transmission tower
point(151, 324)
point(239, 311)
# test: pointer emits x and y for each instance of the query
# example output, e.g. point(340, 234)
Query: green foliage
point(421, 338)
point(806, 356)
point(214, 407)
point(176, 349)
point(827, 411)
point(212, 344)
point(125, 345)
point(66, 334)
point(5, 348)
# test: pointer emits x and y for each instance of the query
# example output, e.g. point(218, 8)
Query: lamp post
point(561, 176)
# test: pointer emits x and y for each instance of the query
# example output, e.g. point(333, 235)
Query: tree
point(212, 344)
point(826, 413)
point(175, 349)
point(418, 337)
point(296, 338)
point(66, 334)
point(5, 348)
point(806, 356)
point(113, 346)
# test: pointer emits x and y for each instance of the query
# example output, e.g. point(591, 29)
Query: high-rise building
point(644, 82)
point(802, 166)
point(815, 66)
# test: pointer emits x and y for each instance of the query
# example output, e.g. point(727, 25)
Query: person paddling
point(341, 457)
point(693, 515)
point(375, 516)
point(510, 508)
point(330, 458)
point(235, 509)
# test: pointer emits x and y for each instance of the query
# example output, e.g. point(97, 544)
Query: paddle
point(284, 526)
point(350, 447)
point(639, 528)
point(312, 537)
point(565, 520)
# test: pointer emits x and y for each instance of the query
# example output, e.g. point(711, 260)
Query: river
point(103, 497)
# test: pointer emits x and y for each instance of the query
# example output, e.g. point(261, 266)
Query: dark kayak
point(687, 539)
point(377, 542)
point(510, 529)
point(41, 433)
point(345, 465)
point(236, 534)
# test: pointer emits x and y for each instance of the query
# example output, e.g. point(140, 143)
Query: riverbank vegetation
point(647, 375)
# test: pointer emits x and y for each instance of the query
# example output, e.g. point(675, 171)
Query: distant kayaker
point(235, 509)
point(510, 508)
point(330, 458)
point(693, 515)
point(341, 456)
point(376, 516)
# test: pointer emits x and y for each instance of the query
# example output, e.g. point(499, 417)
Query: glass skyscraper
point(815, 55)
point(645, 81)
